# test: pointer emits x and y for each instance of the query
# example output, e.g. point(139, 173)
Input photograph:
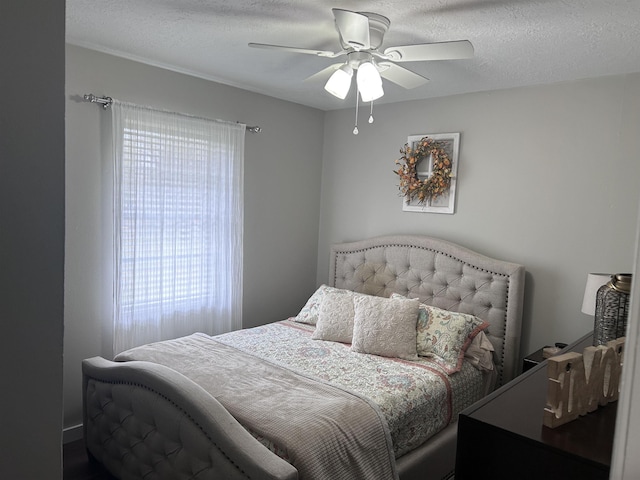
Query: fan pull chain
point(355, 129)
point(371, 114)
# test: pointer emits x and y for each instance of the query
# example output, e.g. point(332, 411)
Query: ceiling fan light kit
point(339, 82)
point(361, 35)
point(369, 82)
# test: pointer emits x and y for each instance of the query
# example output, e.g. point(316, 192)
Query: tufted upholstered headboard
point(441, 274)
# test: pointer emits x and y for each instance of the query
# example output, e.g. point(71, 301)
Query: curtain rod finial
point(105, 101)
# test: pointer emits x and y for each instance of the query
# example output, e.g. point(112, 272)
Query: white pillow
point(311, 309)
point(335, 316)
point(385, 326)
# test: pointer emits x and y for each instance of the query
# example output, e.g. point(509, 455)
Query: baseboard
point(71, 434)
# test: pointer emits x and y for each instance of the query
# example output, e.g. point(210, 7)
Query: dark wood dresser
point(502, 436)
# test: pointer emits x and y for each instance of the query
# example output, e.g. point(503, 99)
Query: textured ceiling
point(517, 42)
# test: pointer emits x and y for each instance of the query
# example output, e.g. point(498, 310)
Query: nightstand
point(502, 435)
point(532, 360)
point(536, 357)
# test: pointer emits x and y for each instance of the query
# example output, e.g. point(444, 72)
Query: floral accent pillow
point(445, 335)
point(311, 309)
point(385, 326)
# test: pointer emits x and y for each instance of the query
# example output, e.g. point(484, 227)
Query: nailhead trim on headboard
point(385, 265)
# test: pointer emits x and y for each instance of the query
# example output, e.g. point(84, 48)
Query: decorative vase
point(612, 309)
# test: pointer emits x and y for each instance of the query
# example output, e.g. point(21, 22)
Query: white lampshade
point(594, 282)
point(369, 82)
point(339, 82)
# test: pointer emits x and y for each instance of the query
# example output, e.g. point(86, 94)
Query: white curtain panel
point(178, 224)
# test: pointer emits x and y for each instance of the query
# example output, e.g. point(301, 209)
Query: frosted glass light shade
point(372, 93)
point(369, 82)
point(339, 82)
point(594, 282)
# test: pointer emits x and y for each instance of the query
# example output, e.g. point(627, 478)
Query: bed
point(162, 411)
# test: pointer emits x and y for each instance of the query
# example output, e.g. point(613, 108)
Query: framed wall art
point(428, 170)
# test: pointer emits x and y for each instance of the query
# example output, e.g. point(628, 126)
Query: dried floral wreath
point(438, 182)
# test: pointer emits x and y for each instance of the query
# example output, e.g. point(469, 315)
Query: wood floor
point(76, 464)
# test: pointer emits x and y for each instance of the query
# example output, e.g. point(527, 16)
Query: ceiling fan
point(361, 35)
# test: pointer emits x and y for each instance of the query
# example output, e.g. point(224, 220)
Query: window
point(177, 225)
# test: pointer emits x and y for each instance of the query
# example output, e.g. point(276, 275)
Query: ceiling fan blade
point(325, 73)
point(319, 53)
point(430, 51)
point(401, 76)
point(353, 28)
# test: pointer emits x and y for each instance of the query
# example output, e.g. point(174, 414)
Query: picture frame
point(446, 202)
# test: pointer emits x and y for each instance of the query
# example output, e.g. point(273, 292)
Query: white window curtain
point(178, 224)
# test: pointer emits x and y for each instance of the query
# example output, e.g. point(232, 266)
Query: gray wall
point(31, 237)
point(282, 195)
point(547, 177)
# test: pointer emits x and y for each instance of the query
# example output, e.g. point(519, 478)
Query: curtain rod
point(107, 101)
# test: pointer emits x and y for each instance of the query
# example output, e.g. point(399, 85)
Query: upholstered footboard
point(144, 420)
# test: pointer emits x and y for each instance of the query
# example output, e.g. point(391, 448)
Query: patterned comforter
point(412, 400)
point(417, 399)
